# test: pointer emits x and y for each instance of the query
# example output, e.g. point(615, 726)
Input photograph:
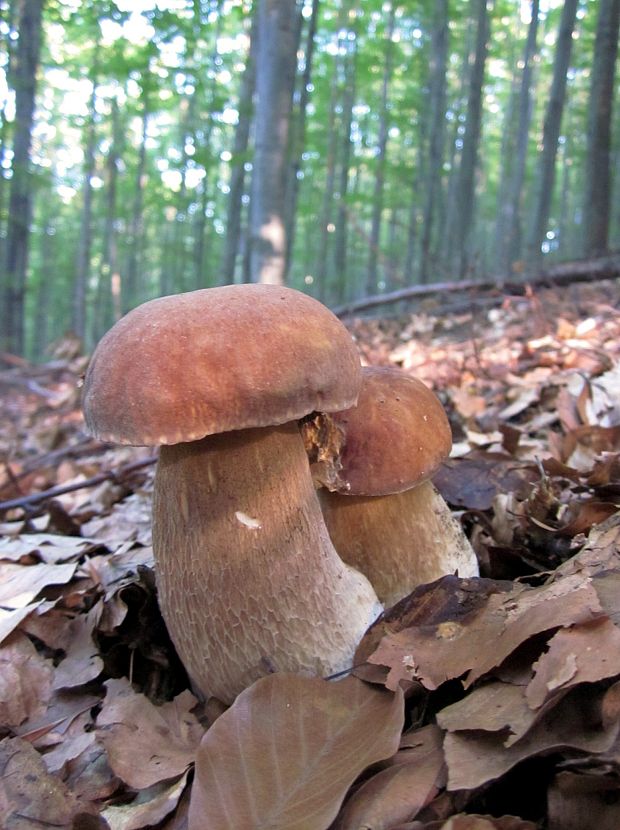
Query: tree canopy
point(424, 142)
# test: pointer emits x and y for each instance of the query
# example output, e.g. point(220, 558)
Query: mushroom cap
point(395, 437)
point(179, 368)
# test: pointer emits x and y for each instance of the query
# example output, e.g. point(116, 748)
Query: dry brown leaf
point(577, 802)
point(29, 796)
point(398, 792)
point(10, 619)
point(494, 707)
point(148, 808)
point(25, 680)
point(283, 756)
point(433, 654)
point(474, 481)
point(474, 758)
point(82, 662)
point(475, 822)
point(147, 744)
point(49, 548)
point(580, 654)
point(20, 584)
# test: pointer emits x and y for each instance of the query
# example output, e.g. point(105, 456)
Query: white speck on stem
point(247, 521)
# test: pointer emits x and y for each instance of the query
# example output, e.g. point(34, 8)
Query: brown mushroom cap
point(394, 438)
point(182, 367)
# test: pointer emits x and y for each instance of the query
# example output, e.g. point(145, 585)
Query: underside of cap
point(189, 365)
point(395, 437)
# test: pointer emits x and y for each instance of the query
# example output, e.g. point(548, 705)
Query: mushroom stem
point(249, 581)
point(414, 531)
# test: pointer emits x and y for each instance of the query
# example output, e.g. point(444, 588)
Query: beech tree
point(23, 79)
point(390, 144)
point(597, 195)
point(545, 178)
point(276, 61)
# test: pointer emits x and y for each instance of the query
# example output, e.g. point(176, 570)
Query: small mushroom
point(248, 579)
point(374, 462)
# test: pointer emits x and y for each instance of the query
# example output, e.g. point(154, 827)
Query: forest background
point(345, 147)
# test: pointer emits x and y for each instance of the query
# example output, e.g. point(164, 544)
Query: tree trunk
point(23, 77)
point(597, 198)
point(298, 137)
point(78, 317)
point(340, 241)
point(240, 146)
point(325, 217)
point(509, 221)
point(276, 62)
point(439, 61)
point(551, 132)
point(465, 189)
point(136, 230)
point(377, 200)
point(108, 289)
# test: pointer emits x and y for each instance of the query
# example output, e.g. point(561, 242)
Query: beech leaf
point(285, 753)
point(399, 792)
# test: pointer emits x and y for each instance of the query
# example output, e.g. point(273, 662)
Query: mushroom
point(374, 462)
point(248, 579)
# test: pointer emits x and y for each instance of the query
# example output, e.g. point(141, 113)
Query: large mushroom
point(248, 579)
point(374, 462)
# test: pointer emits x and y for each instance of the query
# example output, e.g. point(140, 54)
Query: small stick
point(111, 475)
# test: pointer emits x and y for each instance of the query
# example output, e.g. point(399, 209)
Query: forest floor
point(511, 682)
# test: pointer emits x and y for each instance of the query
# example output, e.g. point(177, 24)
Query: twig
point(110, 475)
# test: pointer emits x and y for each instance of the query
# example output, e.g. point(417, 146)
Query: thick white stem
point(249, 581)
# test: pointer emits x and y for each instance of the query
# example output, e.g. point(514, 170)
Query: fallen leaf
point(81, 663)
point(29, 796)
point(475, 758)
point(148, 808)
point(579, 654)
point(578, 801)
point(20, 584)
point(399, 792)
point(493, 707)
point(285, 753)
point(433, 654)
point(25, 680)
point(147, 744)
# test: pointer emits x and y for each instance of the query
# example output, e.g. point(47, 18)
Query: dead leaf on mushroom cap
point(285, 753)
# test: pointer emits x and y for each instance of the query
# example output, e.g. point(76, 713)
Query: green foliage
point(179, 64)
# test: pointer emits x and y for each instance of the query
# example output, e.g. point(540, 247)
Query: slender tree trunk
point(108, 289)
point(136, 230)
point(240, 146)
point(199, 276)
point(82, 270)
point(276, 63)
point(298, 137)
point(24, 72)
point(8, 20)
point(439, 62)
point(341, 235)
point(448, 208)
point(551, 131)
point(325, 217)
point(43, 319)
point(377, 200)
point(509, 221)
point(465, 189)
point(597, 200)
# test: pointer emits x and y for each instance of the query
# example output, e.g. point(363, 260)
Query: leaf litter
point(511, 682)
